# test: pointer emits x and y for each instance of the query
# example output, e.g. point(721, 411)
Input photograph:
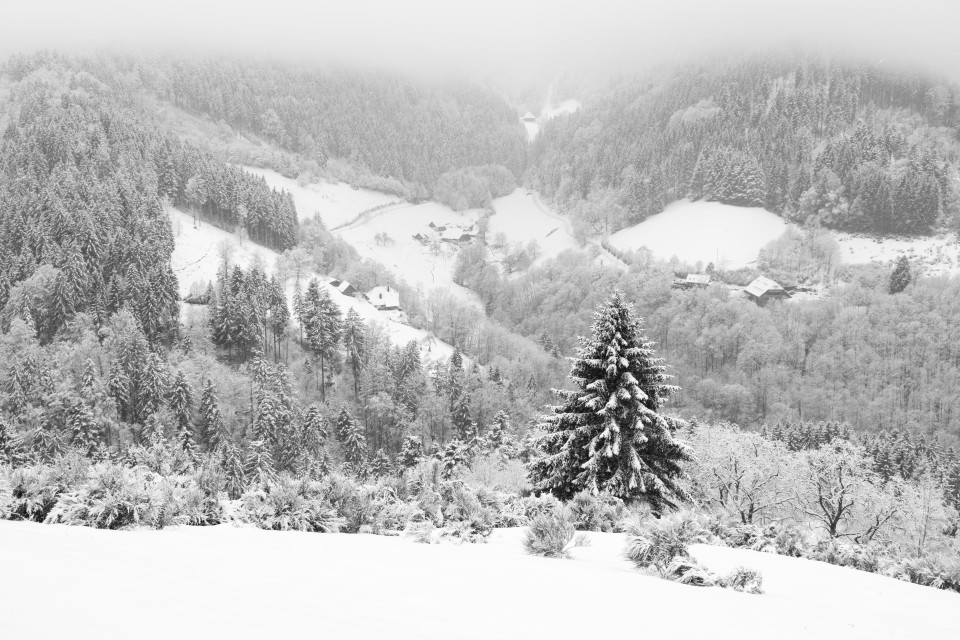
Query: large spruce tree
point(608, 433)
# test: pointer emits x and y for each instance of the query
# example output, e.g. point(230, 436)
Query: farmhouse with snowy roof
point(345, 288)
point(764, 289)
point(457, 235)
point(384, 298)
point(693, 281)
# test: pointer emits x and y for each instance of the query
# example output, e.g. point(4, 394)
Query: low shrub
point(285, 504)
point(33, 493)
point(420, 532)
point(686, 570)
point(601, 512)
point(552, 535)
point(743, 579)
point(932, 571)
point(112, 497)
point(656, 542)
point(869, 557)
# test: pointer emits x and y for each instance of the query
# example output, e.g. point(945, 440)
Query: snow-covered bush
point(686, 570)
point(6, 493)
point(743, 579)
point(552, 535)
point(421, 532)
point(941, 572)
point(111, 497)
point(601, 512)
point(34, 492)
point(286, 504)
point(868, 557)
point(461, 505)
point(656, 542)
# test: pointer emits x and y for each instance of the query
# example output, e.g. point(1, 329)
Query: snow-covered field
point(521, 218)
point(230, 582)
point(336, 203)
point(704, 231)
point(934, 255)
point(423, 266)
point(196, 259)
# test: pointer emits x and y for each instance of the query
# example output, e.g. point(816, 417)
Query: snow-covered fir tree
point(411, 451)
point(900, 277)
point(609, 434)
point(211, 430)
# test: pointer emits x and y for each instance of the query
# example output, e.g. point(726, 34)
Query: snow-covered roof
point(454, 234)
point(698, 278)
point(763, 285)
point(384, 296)
point(343, 287)
point(529, 117)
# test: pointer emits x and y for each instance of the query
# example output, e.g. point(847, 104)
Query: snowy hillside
point(196, 259)
point(224, 582)
point(934, 255)
point(521, 218)
point(704, 231)
point(424, 266)
point(733, 236)
point(336, 203)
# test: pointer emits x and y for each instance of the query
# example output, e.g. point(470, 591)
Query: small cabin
point(384, 298)
point(693, 281)
point(439, 228)
point(344, 287)
point(763, 289)
point(422, 238)
point(529, 117)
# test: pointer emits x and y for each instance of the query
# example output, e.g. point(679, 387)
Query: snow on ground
point(196, 259)
point(336, 203)
point(232, 582)
point(548, 112)
point(423, 266)
point(934, 255)
point(521, 218)
point(726, 235)
point(196, 252)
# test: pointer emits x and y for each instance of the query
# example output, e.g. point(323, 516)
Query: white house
point(384, 298)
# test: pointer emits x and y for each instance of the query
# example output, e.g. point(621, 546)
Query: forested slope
point(392, 125)
point(848, 145)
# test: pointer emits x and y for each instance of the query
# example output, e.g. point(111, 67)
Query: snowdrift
point(226, 582)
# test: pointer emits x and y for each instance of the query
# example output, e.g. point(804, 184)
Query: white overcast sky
point(488, 36)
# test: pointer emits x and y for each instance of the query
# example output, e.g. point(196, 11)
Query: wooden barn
point(763, 289)
point(345, 288)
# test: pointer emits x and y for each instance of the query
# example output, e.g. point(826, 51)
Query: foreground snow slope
point(196, 259)
point(704, 231)
point(227, 582)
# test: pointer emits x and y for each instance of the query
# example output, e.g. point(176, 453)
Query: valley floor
point(231, 582)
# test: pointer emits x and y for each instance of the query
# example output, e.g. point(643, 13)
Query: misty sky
point(489, 36)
